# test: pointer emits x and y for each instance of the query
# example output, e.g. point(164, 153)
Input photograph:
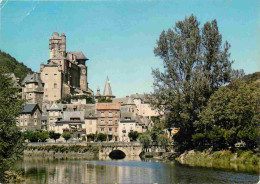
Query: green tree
point(145, 139)
point(101, 137)
point(232, 115)
point(11, 140)
point(66, 136)
point(157, 129)
point(54, 135)
point(196, 64)
point(42, 136)
point(164, 141)
point(104, 100)
point(11, 65)
point(91, 137)
point(133, 135)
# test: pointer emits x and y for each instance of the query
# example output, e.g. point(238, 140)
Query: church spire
point(107, 90)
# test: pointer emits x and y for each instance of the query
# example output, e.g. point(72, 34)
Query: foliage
point(232, 115)
point(54, 135)
point(66, 136)
point(164, 141)
point(133, 135)
point(11, 146)
point(104, 100)
point(101, 137)
point(157, 129)
point(63, 149)
point(67, 99)
point(145, 139)
point(196, 64)
point(11, 65)
point(91, 136)
point(36, 136)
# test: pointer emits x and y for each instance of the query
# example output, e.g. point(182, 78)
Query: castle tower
point(83, 77)
point(57, 45)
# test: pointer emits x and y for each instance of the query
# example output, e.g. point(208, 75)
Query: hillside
point(11, 65)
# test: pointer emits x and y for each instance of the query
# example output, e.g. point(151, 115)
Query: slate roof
point(124, 101)
point(125, 114)
point(78, 54)
point(44, 118)
point(143, 120)
point(32, 78)
point(29, 108)
point(107, 90)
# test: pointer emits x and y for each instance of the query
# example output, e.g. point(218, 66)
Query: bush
point(133, 135)
point(54, 135)
point(66, 136)
point(101, 137)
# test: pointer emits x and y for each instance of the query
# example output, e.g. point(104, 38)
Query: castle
point(64, 74)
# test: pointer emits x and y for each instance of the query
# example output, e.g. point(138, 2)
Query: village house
point(30, 118)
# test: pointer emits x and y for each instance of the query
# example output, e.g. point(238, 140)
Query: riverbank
point(66, 152)
point(245, 161)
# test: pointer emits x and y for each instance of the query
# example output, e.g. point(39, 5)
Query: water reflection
point(129, 170)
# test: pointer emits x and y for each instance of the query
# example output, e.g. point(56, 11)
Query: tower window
point(55, 76)
point(55, 85)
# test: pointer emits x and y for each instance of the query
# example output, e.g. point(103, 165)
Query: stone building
point(54, 113)
point(30, 117)
point(65, 72)
point(91, 120)
point(108, 115)
point(32, 89)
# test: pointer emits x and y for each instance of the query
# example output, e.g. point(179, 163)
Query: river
point(38, 170)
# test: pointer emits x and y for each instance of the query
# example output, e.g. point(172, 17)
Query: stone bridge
point(129, 149)
point(105, 148)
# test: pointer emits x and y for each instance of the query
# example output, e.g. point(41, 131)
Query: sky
point(118, 37)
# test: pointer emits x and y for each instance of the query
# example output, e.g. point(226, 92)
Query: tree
point(91, 137)
point(11, 140)
point(66, 136)
point(195, 64)
point(133, 135)
point(163, 141)
point(104, 100)
point(232, 115)
point(42, 136)
point(101, 137)
point(54, 135)
point(145, 139)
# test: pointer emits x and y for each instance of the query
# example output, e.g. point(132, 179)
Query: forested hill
point(252, 77)
point(11, 65)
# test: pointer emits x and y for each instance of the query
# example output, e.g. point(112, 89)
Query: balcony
point(74, 130)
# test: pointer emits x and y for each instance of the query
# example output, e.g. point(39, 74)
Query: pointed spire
point(107, 90)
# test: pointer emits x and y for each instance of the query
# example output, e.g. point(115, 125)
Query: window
point(110, 129)
point(55, 76)
point(102, 122)
point(55, 85)
point(102, 129)
point(115, 121)
point(102, 114)
point(25, 122)
point(110, 122)
point(35, 115)
point(110, 114)
point(46, 76)
point(35, 122)
point(21, 123)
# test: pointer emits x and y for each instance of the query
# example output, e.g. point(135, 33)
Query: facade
point(126, 125)
point(30, 118)
point(32, 89)
point(91, 120)
point(72, 122)
point(54, 114)
point(108, 115)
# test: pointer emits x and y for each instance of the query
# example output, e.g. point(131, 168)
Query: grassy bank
point(247, 161)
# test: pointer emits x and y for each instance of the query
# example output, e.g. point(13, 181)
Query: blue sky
point(119, 36)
